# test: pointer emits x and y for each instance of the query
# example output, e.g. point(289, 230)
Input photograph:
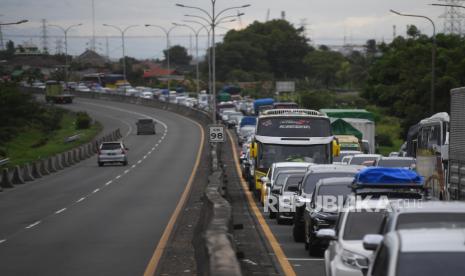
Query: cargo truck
point(456, 171)
point(55, 93)
point(260, 105)
point(361, 120)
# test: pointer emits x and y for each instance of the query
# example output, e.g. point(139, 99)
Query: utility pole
point(2, 46)
point(107, 47)
point(92, 42)
point(44, 36)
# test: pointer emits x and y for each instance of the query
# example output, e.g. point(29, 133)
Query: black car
point(314, 174)
point(145, 126)
point(322, 212)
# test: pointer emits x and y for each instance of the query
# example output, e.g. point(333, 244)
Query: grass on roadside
point(24, 148)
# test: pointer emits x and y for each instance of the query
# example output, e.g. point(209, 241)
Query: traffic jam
point(316, 174)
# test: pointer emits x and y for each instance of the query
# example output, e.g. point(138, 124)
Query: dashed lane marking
point(96, 190)
point(109, 182)
point(2, 241)
point(60, 211)
point(32, 225)
point(81, 199)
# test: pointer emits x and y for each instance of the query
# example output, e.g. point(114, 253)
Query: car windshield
point(270, 153)
point(430, 263)
point(280, 178)
point(293, 181)
point(358, 160)
point(362, 222)
point(406, 163)
point(312, 179)
point(111, 146)
point(430, 220)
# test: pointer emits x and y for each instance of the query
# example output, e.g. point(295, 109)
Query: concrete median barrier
point(43, 168)
point(76, 156)
point(35, 170)
point(51, 165)
point(6, 180)
point(17, 176)
point(27, 175)
point(58, 162)
point(66, 159)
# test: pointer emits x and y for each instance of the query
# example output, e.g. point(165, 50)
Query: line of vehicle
point(278, 251)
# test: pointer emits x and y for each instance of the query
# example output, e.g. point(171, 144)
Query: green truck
point(55, 93)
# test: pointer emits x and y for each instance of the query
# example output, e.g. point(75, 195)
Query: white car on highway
point(112, 152)
point(345, 255)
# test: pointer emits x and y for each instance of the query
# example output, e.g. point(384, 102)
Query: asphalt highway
point(90, 220)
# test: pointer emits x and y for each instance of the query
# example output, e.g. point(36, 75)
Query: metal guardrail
point(4, 161)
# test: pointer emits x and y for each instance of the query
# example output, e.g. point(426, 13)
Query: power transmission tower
point(107, 47)
point(452, 17)
point(303, 24)
point(239, 18)
point(44, 36)
point(92, 42)
point(267, 15)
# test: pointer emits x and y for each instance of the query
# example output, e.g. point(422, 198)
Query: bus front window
point(272, 153)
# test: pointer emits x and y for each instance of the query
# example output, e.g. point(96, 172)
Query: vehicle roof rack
point(293, 111)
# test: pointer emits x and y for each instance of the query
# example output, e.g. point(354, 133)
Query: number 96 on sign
point(216, 133)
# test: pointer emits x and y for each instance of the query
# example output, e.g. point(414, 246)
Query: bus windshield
point(294, 127)
point(271, 153)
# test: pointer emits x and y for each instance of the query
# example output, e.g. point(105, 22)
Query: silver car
point(112, 152)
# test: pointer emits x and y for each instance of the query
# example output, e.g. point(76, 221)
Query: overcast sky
point(327, 22)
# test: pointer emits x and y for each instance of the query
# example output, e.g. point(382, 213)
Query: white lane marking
point(60, 211)
point(133, 166)
point(32, 225)
point(2, 241)
point(118, 177)
point(96, 191)
point(109, 182)
point(145, 156)
point(126, 171)
point(154, 147)
point(81, 199)
point(140, 161)
point(304, 259)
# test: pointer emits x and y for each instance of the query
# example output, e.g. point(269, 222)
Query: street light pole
point(167, 33)
point(123, 32)
point(433, 55)
point(213, 19)
point(65, 31)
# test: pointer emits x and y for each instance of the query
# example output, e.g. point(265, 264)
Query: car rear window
point(145, 121)
point(361, 223)
point(111, 146)
point(313, 178)
point(430, 220)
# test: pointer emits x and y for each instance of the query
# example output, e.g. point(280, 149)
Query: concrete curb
point(6, 180)
point(17, 176)
point(70, 158)
point(76, 156)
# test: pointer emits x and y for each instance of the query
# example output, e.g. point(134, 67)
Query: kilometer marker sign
point(216, 133)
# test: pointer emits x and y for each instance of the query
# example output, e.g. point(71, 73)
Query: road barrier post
point(50, 165)
point(6, 181)
point(58, 162)
point(35, 170)
point(69, 159)
point(27, 176)
point(17, 177)
point(43, 168)
point(76, 156)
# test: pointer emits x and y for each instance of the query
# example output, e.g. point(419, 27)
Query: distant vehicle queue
point(318, 172)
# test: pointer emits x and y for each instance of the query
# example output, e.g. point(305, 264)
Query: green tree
point(178, 55)
point(323, 67)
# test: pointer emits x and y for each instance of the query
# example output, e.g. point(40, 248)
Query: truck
point(260, 105)
point(55, 93)
point(360, 119)
point(456, 164)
